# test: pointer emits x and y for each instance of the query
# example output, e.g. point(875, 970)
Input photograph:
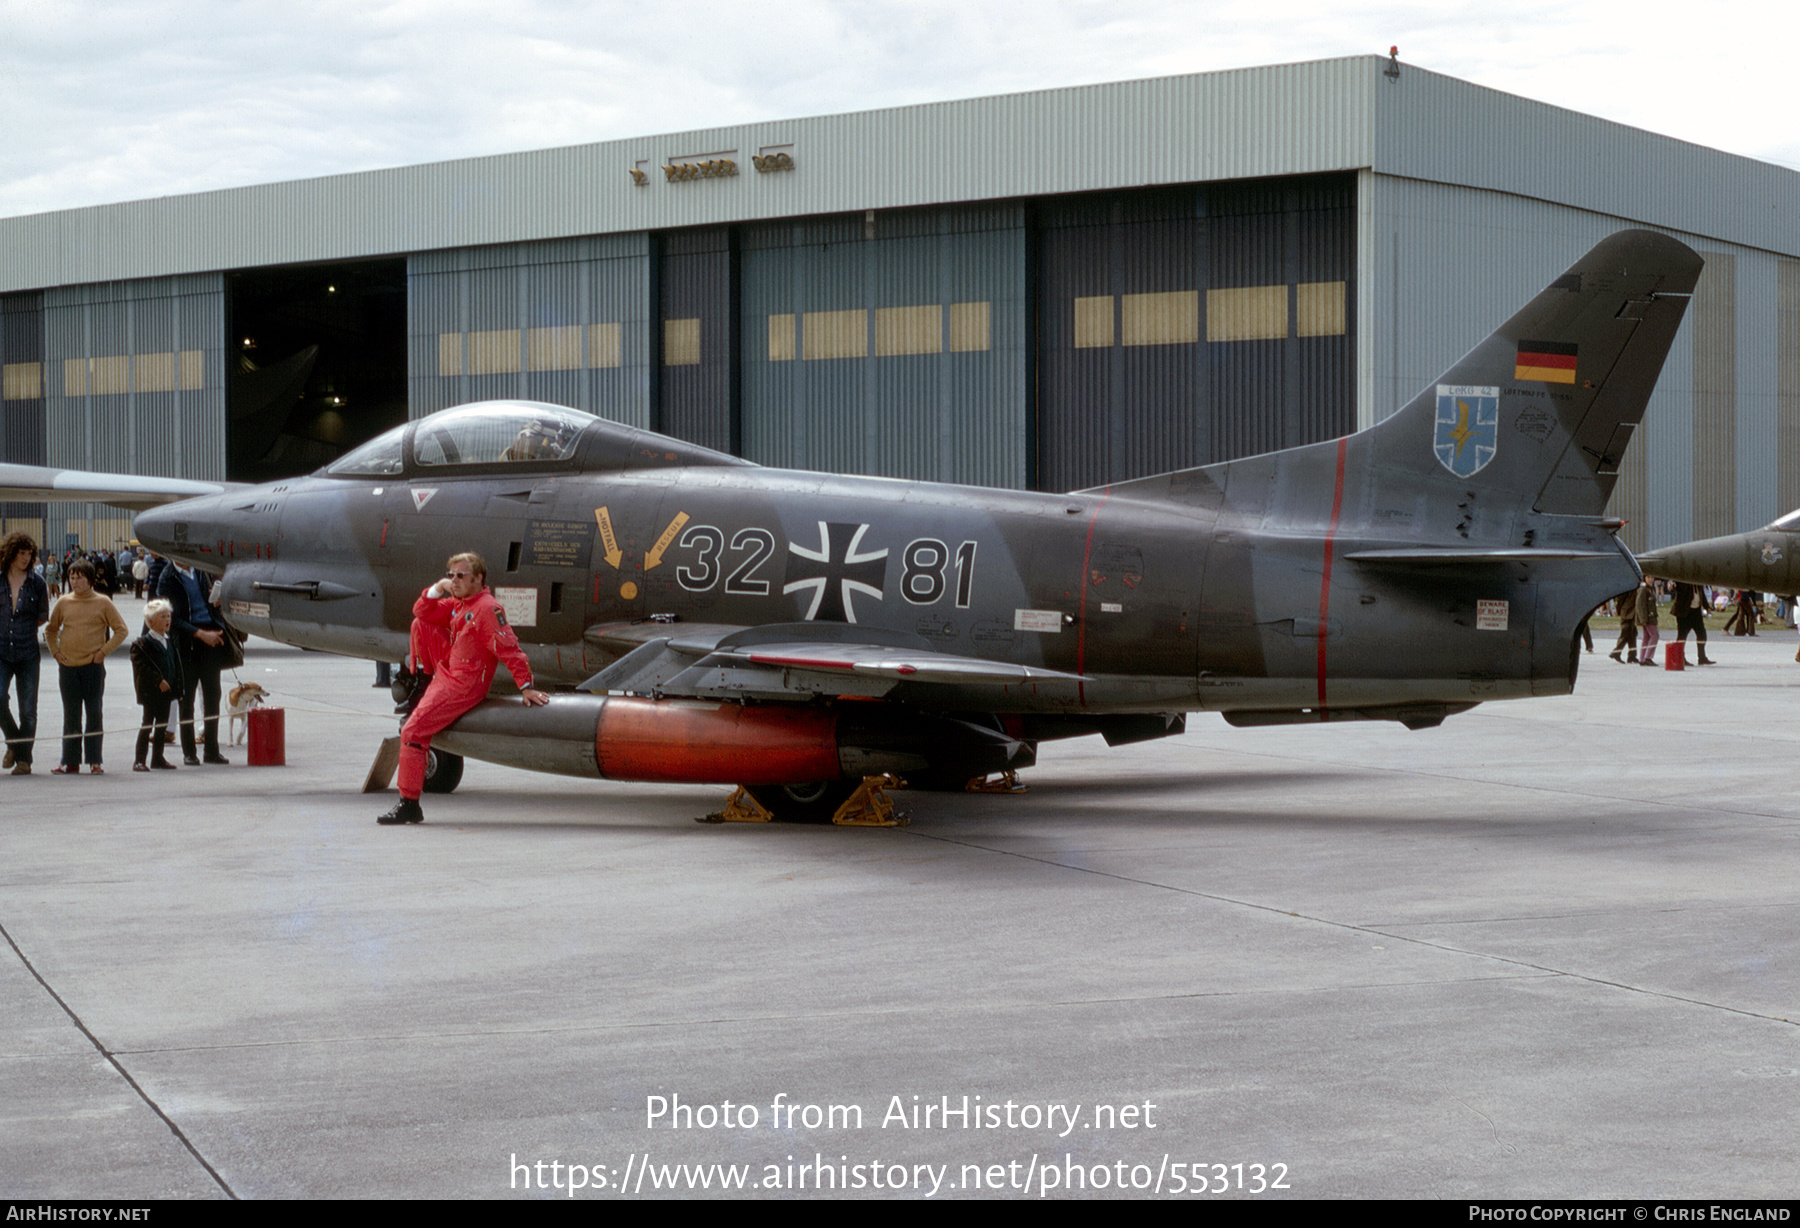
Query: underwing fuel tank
point(676, 741)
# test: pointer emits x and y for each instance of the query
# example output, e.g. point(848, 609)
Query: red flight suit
point(479, 639)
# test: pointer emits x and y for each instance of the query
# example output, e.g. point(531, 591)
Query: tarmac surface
point(1546, 950)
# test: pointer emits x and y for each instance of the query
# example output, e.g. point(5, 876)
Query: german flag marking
point(1550, 362)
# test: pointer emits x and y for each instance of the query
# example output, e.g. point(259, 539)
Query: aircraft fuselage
point(1145, 607)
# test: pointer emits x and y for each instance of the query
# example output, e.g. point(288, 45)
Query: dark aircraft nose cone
point(156, 526)
point(1763, 560)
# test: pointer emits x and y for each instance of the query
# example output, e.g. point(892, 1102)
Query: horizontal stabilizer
point(41, 484)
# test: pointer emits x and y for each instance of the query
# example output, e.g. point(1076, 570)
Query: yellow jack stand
point(741, 808)
point(1008, 782)
point(870, 806)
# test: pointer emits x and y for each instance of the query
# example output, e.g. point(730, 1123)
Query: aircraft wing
point(791, 661)
point(41, 484)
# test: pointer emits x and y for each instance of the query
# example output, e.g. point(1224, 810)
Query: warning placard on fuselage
point(558, 543)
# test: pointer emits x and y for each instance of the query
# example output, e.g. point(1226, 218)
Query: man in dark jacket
point(24, 607)
point(199, 635)
point(1689, 605)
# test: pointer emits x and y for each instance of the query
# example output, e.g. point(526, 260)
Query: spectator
point(199, 634)
point(24, 607)
point(156, 669)
point(84, 628)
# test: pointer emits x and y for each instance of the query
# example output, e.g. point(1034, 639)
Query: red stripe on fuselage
point(1087, 552)
point(1337, 507)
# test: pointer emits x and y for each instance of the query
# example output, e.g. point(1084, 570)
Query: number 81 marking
point(922, 577)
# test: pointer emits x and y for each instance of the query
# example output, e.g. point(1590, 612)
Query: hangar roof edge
point(1317, 116)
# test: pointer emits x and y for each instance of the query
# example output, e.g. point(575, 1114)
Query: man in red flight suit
point(461, 635)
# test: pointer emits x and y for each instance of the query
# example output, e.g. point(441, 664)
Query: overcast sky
point(105, 102)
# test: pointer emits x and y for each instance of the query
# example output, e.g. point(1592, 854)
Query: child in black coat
point(156, 668)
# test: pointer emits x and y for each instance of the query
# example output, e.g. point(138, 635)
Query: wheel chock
point(870, 805)
point(381, 772)
point(1002, 782)
point(741, 808)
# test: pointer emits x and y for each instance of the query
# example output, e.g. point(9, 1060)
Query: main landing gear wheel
point(443, 771)
point(813, 802)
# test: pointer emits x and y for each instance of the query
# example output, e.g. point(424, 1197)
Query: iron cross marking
point(834, 571)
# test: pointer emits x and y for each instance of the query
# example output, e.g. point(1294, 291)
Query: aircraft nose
point(155, 527)
point(183, 530)
point(1768, 562)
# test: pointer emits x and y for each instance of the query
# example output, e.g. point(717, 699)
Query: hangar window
point(498, 433)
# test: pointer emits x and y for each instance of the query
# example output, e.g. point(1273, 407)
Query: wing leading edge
point(134, 492)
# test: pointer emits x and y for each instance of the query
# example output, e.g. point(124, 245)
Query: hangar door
point(1182, 326)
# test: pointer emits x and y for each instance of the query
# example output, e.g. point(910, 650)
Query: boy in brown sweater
point(84, 628)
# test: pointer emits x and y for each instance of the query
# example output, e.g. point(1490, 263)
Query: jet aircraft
point(1766, 560)
point(710, 620)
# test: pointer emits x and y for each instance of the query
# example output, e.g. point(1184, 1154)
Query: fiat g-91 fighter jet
point(713, 620)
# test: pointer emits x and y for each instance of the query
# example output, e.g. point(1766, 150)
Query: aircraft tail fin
point(1533, 419)
point(1544, 408)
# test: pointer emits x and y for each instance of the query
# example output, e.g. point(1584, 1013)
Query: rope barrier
point(133, 730)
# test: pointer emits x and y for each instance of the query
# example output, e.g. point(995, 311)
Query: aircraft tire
point(811, 802)
point(443, 771)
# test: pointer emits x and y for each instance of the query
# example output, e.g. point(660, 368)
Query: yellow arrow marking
point(614, 556)
point(653, 556)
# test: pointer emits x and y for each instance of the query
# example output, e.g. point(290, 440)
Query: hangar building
point(1048, 290)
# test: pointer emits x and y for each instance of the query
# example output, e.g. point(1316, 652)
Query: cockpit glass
point(1789, 523)
point(498, 433)
point(379, 457)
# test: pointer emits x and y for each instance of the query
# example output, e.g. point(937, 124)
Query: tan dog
point(243, 698)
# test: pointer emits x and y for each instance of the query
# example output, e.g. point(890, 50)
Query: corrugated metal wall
point(1756, 467)
point(1183, 326)
point(22, 424)
point(891, 344)
point(1787, 384)
point(134, 383)
point(565, 321)
point(696, 289)
point(1715, 397)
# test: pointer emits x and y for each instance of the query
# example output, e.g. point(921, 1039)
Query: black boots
point(406, 812)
